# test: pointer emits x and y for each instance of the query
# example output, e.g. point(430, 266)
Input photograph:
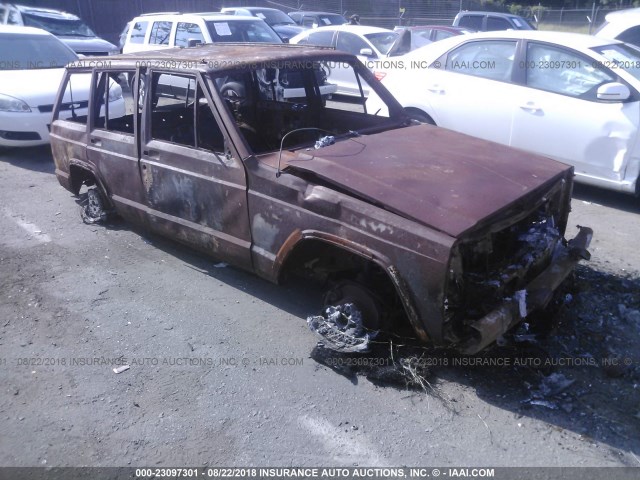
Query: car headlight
point(12, 104)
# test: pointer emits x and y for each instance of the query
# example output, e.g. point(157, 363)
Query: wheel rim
point(361, 297)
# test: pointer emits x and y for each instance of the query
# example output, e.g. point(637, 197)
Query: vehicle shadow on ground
point(578, 371)
point(607, 198)
point(571, 373)
point(38, 159)
point(293, 297)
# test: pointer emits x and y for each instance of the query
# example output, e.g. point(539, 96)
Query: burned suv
point(247, 154)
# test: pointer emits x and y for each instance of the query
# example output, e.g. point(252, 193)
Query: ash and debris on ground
point(579, 360)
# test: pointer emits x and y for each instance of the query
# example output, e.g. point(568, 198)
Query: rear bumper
point(535, 296)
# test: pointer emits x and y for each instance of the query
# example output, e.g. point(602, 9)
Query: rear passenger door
point(112, 145)
point(195, 187)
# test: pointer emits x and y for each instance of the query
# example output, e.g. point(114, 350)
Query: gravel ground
point(223, 370)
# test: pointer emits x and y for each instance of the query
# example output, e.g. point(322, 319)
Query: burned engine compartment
point(494, 267)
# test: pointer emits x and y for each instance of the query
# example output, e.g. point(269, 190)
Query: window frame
point(200, 91)
point(168, 38)
point(588, 95)
point(445, 59)
point(100, 96)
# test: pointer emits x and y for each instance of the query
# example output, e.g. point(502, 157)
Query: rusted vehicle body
point(255, 162)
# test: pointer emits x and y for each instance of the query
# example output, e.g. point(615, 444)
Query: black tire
point(420, 116)
point(92, 208)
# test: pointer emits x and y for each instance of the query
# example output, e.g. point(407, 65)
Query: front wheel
point(362, 299)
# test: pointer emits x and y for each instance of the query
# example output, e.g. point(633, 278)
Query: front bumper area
point(24, 129)
point(536, 295)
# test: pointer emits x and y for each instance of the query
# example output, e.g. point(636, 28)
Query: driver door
point(195, 187)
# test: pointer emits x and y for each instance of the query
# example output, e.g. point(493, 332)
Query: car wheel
point(92, 207)
point(363, 300)
point(419, 115)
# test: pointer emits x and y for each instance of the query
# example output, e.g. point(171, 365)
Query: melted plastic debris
point(553, 385)
point(342, 329)
point(325, 142)
point(544, 403)
point(521, 297)
point(541, 234)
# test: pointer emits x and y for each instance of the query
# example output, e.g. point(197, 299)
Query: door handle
point(150, 153)
point(96, 141)
point(531, 107)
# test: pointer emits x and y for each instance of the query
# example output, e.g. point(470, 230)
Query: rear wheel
point(92, 208)
point(419, 115)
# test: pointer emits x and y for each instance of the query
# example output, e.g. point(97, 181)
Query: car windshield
point(253, 31)
point(58, 26)
point(622, 57)
point(522, 23)
point(274, 17)
point(383, 41)
point(26, 52)
point(331, 19)
point(274, 107)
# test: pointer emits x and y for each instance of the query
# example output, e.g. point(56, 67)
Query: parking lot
point(224, 371)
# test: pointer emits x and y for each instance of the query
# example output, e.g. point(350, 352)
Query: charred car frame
point(257, 162)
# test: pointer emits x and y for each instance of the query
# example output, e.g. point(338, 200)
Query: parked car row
point(67, 27)
point(522, 88)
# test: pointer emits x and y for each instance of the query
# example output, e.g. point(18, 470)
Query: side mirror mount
point(613, 92)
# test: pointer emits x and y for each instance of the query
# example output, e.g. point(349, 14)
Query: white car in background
point(32, 65)
point(370, 44)
point(572, 97)
point(161, 31)
point(623, 25)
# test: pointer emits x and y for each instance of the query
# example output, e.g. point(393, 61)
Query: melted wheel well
point(332, 267)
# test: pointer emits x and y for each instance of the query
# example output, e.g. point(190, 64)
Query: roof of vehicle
point(630, 14)
point(575, 40)
point(225, 56)
point(493, 14)
point(359, 29)
point(250, 9)
point(446, 28)
point(207, 16)
point(20, 30)
point(313, 12)
point(49, 12)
